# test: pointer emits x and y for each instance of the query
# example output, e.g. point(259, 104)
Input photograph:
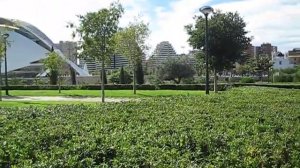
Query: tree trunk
point(215, 81)
point(59, 84)
point(0, 81)
point(134, 81)
point(73, 76)
point(102, 82)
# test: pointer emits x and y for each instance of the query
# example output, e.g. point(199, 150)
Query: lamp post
point(5, 36)
point(206, 10)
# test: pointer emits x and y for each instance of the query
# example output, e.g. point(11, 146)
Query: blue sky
point(273, 21)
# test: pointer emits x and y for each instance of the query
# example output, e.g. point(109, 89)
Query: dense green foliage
point(247, 80)
point(140, 74)
point(120, 77)
point(131, 42)
point(96, 31)
point(287, 75)
point(244, 127)
point(226, 38)
point(175, 70)
point(105, 77)
point(53, 63)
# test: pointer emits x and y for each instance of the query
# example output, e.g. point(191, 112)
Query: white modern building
point(281, 61)
point(69, 49)
point(162, 52)
point(93, 67)
point(27, 45)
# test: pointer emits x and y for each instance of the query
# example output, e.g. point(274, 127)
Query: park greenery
point(259, 66)
point(227, 39)
point(3, 45)
point(120, 77)
point(96, 30)
point(53, 64)
point(175, 70)
point(287, 75)
point(131, 42)
point(55, 68)
point(2, 48)
point(238, 127)
point(242, 127)
point(109, 93)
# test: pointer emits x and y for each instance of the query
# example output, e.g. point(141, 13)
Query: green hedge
point(116, 87)
point(285, 86)
point(221, 87)
point(244, 127)
point(247, 80)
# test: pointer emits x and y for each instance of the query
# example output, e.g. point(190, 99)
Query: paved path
point(66, 98)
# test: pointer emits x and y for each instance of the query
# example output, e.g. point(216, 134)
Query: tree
point(96, 30)
point(104, 78)
point(2, 50)
point(54, 65)
point(139, 74)
point(131, 42)
point(200, 64)
point(261, 64)
point(175, 70)
point(227, 39)
point(122, 76)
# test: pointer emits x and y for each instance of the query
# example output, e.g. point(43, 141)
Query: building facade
point(94, 67)
point(69, 49)
point(281, 61)
point(294, 56)
point(263, 49)
point(29, 44)
point(162, 52)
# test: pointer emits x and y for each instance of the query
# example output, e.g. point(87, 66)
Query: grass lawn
point(40, 103)
point(108, 93)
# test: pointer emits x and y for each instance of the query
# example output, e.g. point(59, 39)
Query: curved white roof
point(31, 32)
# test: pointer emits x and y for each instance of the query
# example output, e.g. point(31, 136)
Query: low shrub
point(118, 87)
point(247, 80)
point(283, 77)
point(244, 127)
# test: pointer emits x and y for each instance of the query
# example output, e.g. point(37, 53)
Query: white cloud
point(275, 21)
point(52, 16)
point(169, 24)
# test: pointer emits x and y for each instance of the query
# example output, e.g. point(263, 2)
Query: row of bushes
point(284, 86)
point(283, 77)
point(287, 75)
point(221, 87)
point(116, 87)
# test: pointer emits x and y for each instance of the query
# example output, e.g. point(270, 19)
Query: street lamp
point(206, 10)
point(5, 36)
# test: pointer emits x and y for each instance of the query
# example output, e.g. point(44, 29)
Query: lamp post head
point(206, 10)
point(5, 36)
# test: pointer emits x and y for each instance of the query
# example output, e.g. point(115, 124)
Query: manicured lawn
point(40, 103)
point(242, 127)
point(108, 93)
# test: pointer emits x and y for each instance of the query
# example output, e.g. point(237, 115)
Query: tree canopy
point(131, 42)
point(175, 70)
point(227, 38)
point(96, 30)
point(53, 63)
